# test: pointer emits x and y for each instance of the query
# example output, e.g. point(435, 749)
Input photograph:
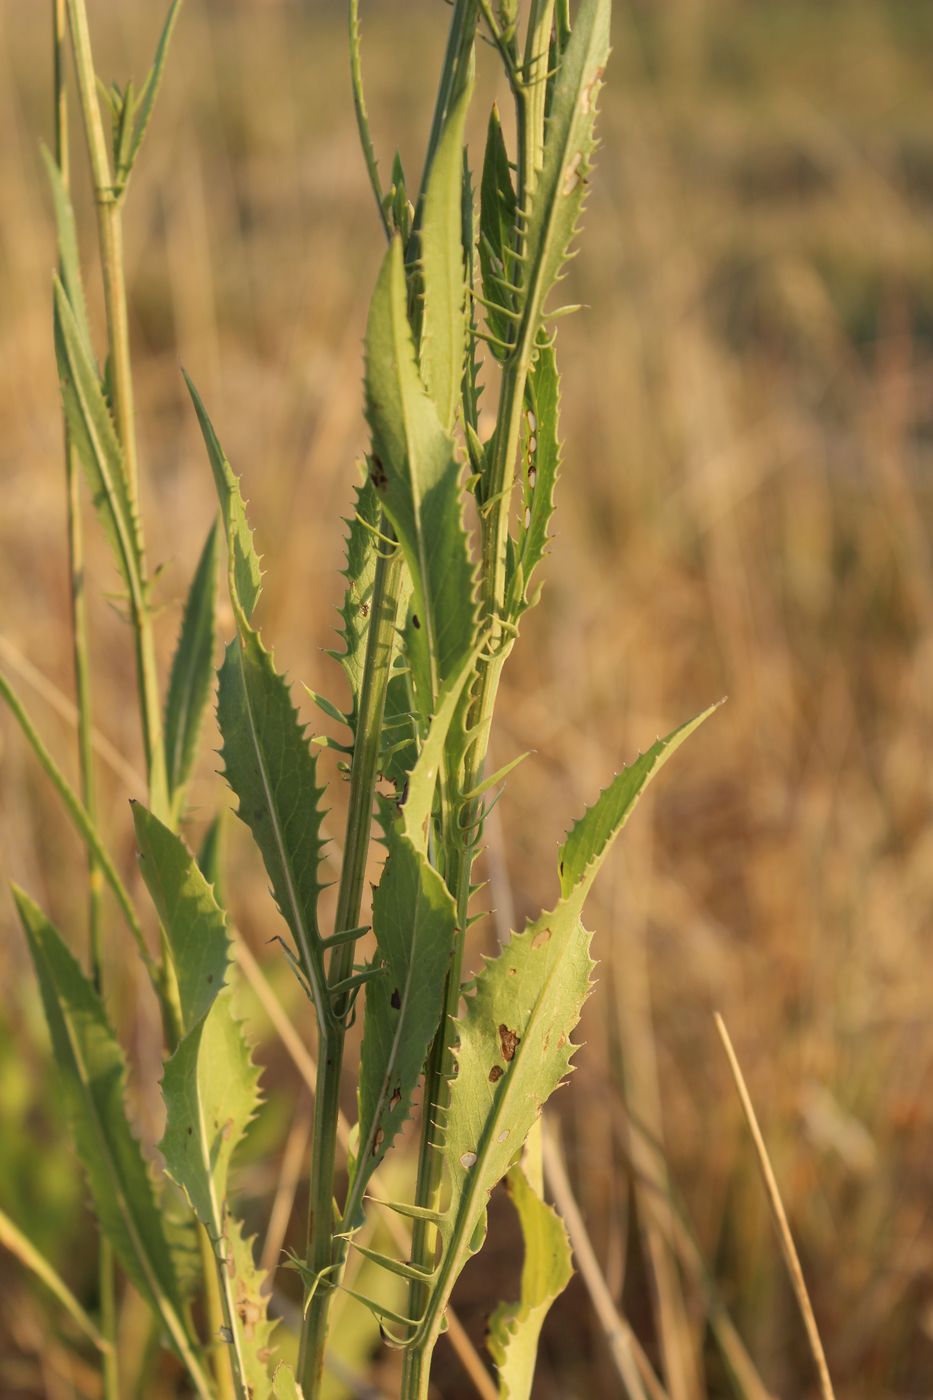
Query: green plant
point(432, 610)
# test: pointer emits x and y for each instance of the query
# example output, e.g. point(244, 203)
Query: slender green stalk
point(24, 1250)
point(322, 1253)
point(322, 1256)
point(462, 841)
point(110, 238)
point(457, 57)
point(217, 1321)
point(80, 656)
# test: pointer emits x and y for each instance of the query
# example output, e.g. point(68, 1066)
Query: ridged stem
point(324, 1253)
point(110, 239)
point(113, 276)
point(81, 666)
point(461, 842)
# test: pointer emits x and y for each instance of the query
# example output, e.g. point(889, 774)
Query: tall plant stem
point(324, 1254)
point(81, 664)
point(217, 1321)
point(462, 840)
point(110, 240)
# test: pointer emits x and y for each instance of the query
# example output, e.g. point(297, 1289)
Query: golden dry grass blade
point(633, 1366)
point(779, 1214)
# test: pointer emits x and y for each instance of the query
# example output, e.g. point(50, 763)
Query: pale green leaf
point(497, 224)
point(82, 821)
point(541, 464)
point(414, 920)
point(93, 1070)
point(417, 477)
point(360, 573)
point(589, 839)
point(245, 572)
point(68, 252)
point(269, 764)
point(194, 923)
point(95, 438)
point(569, 148)
point(210, 1085)
point(284, 1384)
point(142, 110)
point(192, 668)
point(23, 1249)
point(514, 1034)
point(547, 1268)
point(443, 326)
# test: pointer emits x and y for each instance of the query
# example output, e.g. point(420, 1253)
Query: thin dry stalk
point(779, 1215)
point(631, 1362)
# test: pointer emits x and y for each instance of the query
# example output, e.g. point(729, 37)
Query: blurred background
point(745, 510)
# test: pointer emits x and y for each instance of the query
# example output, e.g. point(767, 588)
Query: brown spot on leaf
point(508, 1041)
point(541, 937)
point(396, 1099)
point(495, 1074)
point(377, 474)
point(416, 622)
point(396, 1000)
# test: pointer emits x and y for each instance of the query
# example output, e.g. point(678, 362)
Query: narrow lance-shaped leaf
point(547, 1268)
point(542, 463)
point(549, 225)
point(82, 821)
point(192, 668)
point(266, 755)
point(514, 1036)
point(245, 570)
point(362, 545)
point(68, 254)
point(23, 1249)
point(142, 109)
point(93, 1070)
point(443, 327)
point(269, 765)
point(96, 440)
point(414, 920)
point(210, 1085)
point(416, 474)
point(497, 237)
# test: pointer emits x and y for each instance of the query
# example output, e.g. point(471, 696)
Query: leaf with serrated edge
point(547, 1268)
point(514, 1034)
point(149, 92)
point(542, 396)
point(414, 920)
point(589, 838)
point(362, 546)
point(569, 148)
point(416, 474)
point(93, 1069)
point(497, 233)
point(443, 330)
point(69, 256)
point(210, 1085)
point(244, 572)
point(192, 667)
point(269, 765)
point(267, 758)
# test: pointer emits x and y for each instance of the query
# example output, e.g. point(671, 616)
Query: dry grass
point(745, 510)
